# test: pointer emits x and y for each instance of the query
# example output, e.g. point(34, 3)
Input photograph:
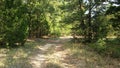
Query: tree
point(114, 14)
point(14, 23)
point(38, 25)
point(88, 18)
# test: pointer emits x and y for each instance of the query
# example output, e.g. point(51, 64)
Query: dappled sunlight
point(46, 46)
point(20, 53)
point(58, 58)
point(14, 58)
point(18, 57)
point(54, 53)
point(59, 34)
point(81, 56)
point(38, 59)
point(70, 55)
point(18, 63)
point(58, 55)
point(39, 56)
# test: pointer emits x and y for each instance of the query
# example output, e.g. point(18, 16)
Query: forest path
point(61, 53)
point(54, 53)
point(50, 50)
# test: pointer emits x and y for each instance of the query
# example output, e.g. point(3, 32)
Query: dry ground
point(54, 53)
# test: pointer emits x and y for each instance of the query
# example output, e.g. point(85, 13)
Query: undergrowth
point(110, 47)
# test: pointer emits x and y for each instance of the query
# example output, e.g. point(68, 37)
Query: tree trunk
point(89, 23)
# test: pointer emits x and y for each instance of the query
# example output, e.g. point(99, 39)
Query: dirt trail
point(52, 49)
point(54, 53)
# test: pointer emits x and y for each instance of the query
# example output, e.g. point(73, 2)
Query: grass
point(83, 56)
point(72, 55)
point(18, 57)
point(13, 57)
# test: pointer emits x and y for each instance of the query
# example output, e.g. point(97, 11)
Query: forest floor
point(54, 53)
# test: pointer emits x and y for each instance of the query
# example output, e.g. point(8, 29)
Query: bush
point(17, 35)
point(107, 48)
point(14, 28)
point(99, 46)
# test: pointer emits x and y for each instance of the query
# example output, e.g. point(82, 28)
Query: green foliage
point(92, 19)
point(13, 22)
point(21, 19)
point(114, 13)
point(38, 25)
point(100, 28)
point(99, 46)
point(107, 48)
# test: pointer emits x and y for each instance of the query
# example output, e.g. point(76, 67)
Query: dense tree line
point(91, 19)
point(95, 22)
point(21, 19)
point(13, 22)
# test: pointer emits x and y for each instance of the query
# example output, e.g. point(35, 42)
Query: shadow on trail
point(54, 53)
point(52, 65)
point(39, 57)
